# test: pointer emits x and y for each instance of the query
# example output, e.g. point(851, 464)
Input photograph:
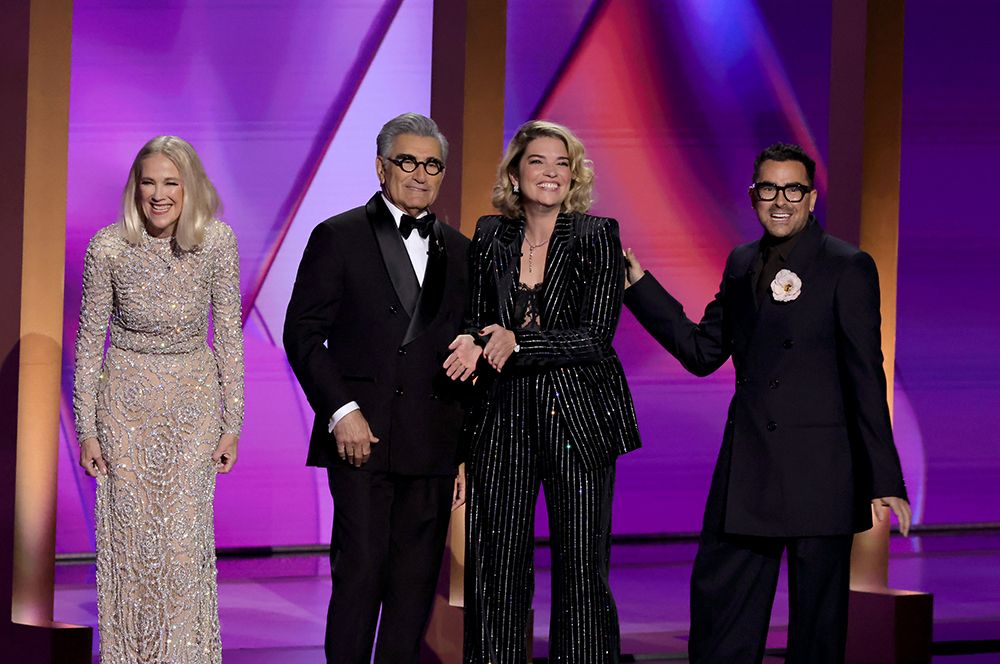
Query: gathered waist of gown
point(157, 345)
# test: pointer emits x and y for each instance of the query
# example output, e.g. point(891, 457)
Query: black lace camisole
point(528, 306)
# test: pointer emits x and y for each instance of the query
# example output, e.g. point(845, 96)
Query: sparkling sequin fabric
point(158, 401)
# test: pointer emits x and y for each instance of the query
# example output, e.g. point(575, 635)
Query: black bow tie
point(423, 225)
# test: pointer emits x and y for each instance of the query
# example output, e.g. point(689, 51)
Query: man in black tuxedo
point(808, 448)
point(379, 295)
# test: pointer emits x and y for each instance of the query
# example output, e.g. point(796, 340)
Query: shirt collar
point(784, 245)
point(396, 213)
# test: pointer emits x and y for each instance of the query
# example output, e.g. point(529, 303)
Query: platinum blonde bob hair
point(581, 185)
point(201, 202)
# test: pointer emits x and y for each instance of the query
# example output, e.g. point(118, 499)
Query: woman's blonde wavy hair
point(581, 185)
point(201, 202)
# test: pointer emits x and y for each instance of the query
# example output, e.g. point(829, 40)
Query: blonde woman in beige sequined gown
point(159, 414)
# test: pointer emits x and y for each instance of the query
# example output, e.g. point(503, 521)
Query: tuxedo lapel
point(432, 291)
point(507, 270)
point(397, 261)
point(558, 267)
point(802, 259)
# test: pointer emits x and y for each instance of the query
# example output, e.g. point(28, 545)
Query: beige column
point(43, 258)
point(467, 98)
point(866, 99)
point(34, 117)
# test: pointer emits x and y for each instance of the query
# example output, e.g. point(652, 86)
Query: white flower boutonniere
point(786, 286)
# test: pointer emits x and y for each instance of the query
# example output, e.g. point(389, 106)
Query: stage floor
point(273, 609)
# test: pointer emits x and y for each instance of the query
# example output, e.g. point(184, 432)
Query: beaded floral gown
point(158, 401)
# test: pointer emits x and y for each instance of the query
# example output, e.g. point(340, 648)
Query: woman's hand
point(90, 458)
point(633, 270)
point(224, 455)
point(458, 496)
point(463, 359)
point(499, 347)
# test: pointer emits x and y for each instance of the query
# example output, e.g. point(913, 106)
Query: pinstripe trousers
point(524, 444)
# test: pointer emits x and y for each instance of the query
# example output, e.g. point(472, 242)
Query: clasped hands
point(465, 353)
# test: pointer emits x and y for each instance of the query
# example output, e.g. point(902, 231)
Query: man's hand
point(900, 508)
point(224, 455)
point(90, 458)
point(463, 359)
point(458, 498)
point(633, 270)
point(499, 347)
point(354, 438)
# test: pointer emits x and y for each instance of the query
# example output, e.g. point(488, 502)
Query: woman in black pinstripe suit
point(553, 410)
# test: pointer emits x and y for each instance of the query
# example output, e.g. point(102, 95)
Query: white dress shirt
point(416, 248)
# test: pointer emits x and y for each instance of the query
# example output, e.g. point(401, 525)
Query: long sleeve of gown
point(228, 329)
point(95, 311)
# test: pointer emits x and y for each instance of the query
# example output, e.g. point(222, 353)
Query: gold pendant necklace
point(531, 251)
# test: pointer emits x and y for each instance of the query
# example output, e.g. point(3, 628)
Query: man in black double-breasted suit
point(808, 447)
point(379, 295)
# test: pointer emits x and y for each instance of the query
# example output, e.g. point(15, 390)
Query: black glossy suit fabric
point(807, 443)
point(558, 415)
point(360, 328)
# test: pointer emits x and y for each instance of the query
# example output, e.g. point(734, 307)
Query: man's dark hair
point(785, 152)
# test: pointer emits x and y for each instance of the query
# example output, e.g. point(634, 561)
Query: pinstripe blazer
point(581, 303)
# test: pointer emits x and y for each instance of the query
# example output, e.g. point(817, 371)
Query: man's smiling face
point(779, 217)
point(410, 192)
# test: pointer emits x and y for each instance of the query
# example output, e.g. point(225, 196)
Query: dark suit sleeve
point(700, 347)
point(481, 310)
point(599, 312)
point(311, 311)
point(859, 340)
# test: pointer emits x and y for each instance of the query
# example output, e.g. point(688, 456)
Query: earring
point(517, 190)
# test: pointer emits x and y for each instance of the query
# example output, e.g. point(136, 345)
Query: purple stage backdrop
point(283, 98)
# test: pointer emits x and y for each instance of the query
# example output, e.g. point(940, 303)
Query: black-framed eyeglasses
point(767, 191)
point(408, 163)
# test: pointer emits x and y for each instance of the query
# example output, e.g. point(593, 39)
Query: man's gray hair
point(409, 123)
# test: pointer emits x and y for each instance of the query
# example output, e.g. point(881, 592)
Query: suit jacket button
point(787, 343)
point(741, 380)
point(393, 309)
point(774, 383)
point(401, 351)
point(399, 391)
point(771, 426)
